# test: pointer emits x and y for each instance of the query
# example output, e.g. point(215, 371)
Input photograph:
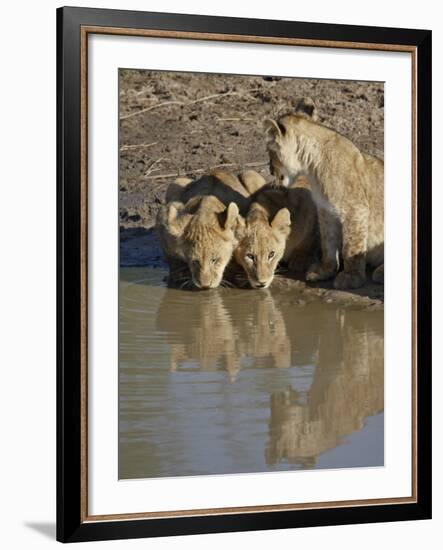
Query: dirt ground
point(174, 124)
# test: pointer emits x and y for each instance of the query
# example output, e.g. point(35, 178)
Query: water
point(233, 381)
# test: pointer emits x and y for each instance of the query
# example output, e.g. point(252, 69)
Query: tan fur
point(262, 244)
point(303, 242)
point(224, 185)
point(199, 227)
point(347, 187)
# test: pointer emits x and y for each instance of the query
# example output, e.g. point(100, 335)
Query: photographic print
point(251, 297)
point(224, 357)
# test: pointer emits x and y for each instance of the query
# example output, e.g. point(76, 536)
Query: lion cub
point(262, 243)
point(302, 244)
point(199, 224)
point(347, 187)
point(281, 225)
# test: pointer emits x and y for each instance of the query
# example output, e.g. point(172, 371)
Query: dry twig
point(201, 170)
point(232, 119)
point(151, 168)
point(186, 103)
point(139, 146)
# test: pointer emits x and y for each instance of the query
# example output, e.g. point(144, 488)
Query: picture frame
point(74, 211)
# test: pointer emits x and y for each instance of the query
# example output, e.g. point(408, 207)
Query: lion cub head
point(203, 234)
point(291, 151)
point(262, 244)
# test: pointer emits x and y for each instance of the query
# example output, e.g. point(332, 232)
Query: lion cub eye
point(250, 256)
point(196, 263)
point(271, 255)
point(215, 260)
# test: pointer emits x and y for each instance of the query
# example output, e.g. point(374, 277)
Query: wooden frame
point(73, 26)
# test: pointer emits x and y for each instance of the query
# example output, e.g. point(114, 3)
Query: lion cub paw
point(319, 272)
point(346, 280)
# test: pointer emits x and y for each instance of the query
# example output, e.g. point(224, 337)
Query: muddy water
point(230, 381)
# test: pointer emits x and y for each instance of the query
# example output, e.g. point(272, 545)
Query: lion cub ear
point(282, 221)
point(273, 128)
point(228, 218)
point(192, 206)
point(176, 220)
point(306, 106)
point(240, 228)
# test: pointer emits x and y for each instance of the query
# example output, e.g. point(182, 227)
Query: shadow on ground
point(140, 247)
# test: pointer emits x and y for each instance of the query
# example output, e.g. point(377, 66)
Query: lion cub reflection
point(347, 387)
point(222, 332)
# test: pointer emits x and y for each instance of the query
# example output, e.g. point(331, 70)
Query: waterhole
point(233, 381)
